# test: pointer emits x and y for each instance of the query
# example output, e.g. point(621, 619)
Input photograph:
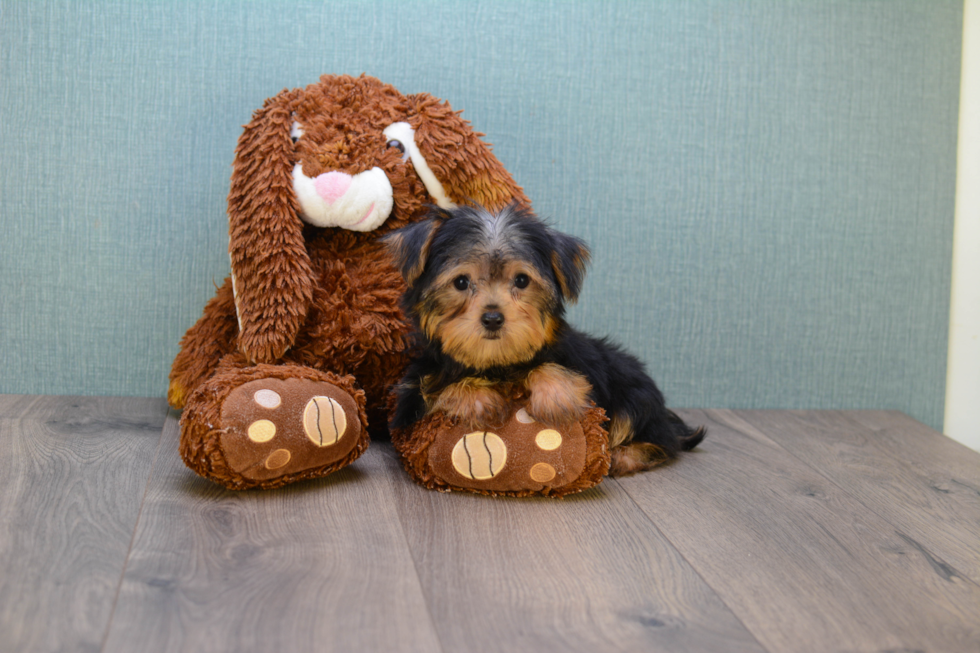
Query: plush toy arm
point(271, 270)
point(203, 346)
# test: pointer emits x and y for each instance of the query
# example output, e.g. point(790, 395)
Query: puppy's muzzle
point(492, 321)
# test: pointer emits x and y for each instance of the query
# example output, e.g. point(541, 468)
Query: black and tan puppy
point(487, 295)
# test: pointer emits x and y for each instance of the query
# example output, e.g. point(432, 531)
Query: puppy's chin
point(490, 352)
point(483, 349)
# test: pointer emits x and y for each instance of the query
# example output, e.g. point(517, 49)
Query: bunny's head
point(346, 156)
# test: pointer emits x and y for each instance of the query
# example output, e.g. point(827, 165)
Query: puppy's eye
point(522, 281)
point(398, 145)
point(461, 282)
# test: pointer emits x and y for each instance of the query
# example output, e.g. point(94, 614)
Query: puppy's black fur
point(471, 242)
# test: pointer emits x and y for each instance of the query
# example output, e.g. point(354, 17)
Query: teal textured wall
point(767, 185)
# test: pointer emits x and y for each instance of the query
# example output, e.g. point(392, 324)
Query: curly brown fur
point(327, 297)
point(487, 294)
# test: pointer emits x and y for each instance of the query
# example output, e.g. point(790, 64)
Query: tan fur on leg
point(474, 402)
point(636, 457)
point(620, 431)
point(558, 395)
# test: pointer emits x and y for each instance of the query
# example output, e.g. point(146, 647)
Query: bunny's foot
point(266, 430)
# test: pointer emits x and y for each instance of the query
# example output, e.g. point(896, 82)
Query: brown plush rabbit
point(288, 369)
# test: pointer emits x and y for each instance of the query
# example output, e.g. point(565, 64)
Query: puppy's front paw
point(559, 396)
point(474, 403)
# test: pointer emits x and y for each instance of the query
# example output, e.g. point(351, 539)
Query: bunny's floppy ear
point(271, 272)
point(463, 163)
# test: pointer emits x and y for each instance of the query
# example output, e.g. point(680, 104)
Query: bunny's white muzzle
point(360, 202)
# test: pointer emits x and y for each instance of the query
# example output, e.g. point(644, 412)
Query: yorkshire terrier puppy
point(487, 294)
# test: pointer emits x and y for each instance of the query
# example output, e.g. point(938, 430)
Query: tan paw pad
point(261, 431)
point(524, 417)
point(548, 439)
point(324, 421)
point(479, 455)
point(267, 398)
point(542, 472)
point(277, 459)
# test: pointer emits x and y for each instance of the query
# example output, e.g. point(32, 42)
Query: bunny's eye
point(402, 136)
point(295, 132)
point(398, 145)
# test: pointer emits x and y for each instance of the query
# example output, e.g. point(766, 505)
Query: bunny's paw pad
point(274, 427)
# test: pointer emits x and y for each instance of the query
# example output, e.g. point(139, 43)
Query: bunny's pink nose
point(331, 186)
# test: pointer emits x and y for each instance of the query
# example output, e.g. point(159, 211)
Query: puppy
point(487, 295)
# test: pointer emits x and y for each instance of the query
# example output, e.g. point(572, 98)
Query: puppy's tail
point(689, 437)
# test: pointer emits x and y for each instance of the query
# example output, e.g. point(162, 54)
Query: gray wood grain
point(586, 573)
point(316, 566)
point(72, 476)
point(802, 563)
point(952, 466)
point(784, 531)
point(923, 483)
point(14, 406)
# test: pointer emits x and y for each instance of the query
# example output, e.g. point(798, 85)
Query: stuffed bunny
point(287, 371)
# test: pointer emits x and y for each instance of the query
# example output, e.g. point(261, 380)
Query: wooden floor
point(784, 531)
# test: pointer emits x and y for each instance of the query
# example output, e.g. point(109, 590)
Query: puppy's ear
point(569, 258)
point(271, 272)
point(409, 247)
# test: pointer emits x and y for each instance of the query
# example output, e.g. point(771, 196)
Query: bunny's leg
point(269, 425)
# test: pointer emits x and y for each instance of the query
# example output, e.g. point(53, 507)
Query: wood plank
point(14, 406)
point(926, 450)
point(321, 565)
point(586, 573)
point(38, 407)
point(804, 565)
point(72, 476)
point(917, 479)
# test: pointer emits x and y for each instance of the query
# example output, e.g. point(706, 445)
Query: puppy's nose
point(492, 320)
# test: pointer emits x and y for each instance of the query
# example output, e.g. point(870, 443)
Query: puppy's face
point(488, 288)
point(489, 310)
